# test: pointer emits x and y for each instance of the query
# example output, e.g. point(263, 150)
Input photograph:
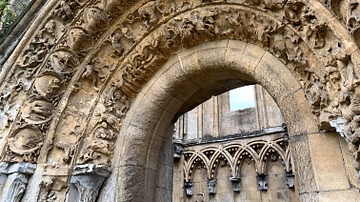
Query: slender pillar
point(14, 179)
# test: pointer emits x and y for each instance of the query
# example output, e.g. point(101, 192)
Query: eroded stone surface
point(67, 92)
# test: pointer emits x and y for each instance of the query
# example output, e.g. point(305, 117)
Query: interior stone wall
point(192, 134)
point(280, 180)
point(213, 118)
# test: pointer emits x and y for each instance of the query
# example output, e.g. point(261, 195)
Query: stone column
point(86, 182)
point(14, 179)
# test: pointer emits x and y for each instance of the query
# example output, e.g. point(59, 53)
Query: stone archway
point(70, 87)
point(197, 70)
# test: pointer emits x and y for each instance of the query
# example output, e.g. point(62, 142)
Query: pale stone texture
point(123, 71)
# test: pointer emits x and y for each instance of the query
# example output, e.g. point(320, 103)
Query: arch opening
point(225, 155)
point(189, 79)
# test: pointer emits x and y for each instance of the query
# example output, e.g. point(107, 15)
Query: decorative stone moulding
point(319, 52)
point(189, 188)
point(289, 179)
point(178, 151)
point(235, 181)
point(86, 182)
point(14, 179)
point(212, 186)
point(262, 181)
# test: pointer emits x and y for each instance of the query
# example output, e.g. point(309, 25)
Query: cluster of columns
point(85, 182)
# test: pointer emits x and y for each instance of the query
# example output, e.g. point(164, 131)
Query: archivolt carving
point(63, 61)
point(66, 8)
point(25, 141)
point(96, 19)
point(37, 111)
point(101, 142)
point(303, 32)
point(288, 29)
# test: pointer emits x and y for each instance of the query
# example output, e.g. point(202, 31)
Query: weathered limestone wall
point(214, 118)
point(215, 113)
point(250, 169)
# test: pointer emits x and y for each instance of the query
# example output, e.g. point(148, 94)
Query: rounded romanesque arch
point(94, 84)
point(189, 79)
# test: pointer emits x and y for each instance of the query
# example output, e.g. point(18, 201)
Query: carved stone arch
point(233, 151)
point(194, 163)
point(77, 36)
point(234, 60)
point(188, 156)
point(288, 161)
point(215, 163)
point(264, 156)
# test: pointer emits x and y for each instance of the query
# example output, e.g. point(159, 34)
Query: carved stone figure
point(25, 140)
point(37, 111)
point(69, 150)
point(66, 9)
point(289, 179)
point(63, 61)
point(212, 186)
point(188, 188)
point(149, 14)
point(235, 181)
point(95, 20)
point(79, 40)
point(116, 7)
point(47, 85)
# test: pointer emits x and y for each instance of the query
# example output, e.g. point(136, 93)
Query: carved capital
point(289, 179)
point(86, 182)
point(178, 150)
point(14, 180)
point(235, 181)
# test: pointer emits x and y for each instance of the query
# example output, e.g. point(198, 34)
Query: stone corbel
point(14, 179)
point(289, 179)
point(188, 188)
point(212, 186)
point(262, 181)
point(235, 181)
point(178, 151)
point(86, 182)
